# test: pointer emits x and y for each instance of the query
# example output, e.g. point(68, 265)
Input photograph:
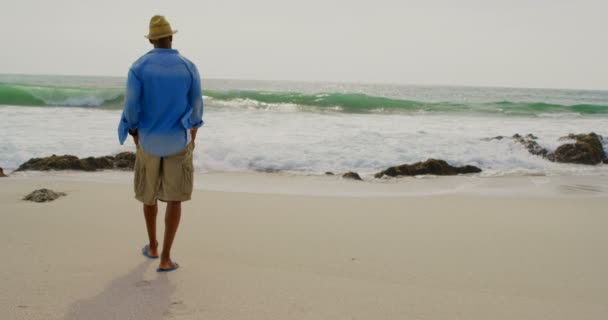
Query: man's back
point(164, 94)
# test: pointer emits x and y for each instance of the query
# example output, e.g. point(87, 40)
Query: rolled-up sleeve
point(132, 109)
point(195, 96)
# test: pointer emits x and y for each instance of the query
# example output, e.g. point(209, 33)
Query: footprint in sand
point(143, 283)
point(581, 188)
point(177, 308)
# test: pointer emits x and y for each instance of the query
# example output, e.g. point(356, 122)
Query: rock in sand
point(43, 195)
point(352, 175)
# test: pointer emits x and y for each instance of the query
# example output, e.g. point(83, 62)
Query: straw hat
point(159, 28)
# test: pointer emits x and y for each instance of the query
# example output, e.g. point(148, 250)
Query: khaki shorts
point(163, 178)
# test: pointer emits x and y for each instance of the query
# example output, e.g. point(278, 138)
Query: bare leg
point(172, 217)
point(150, 212)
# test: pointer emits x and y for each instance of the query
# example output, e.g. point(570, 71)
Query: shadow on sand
point(129, 296)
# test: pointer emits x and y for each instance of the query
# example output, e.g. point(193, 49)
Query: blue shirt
point(163, 101)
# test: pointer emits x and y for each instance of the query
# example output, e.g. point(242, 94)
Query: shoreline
point(324, 185)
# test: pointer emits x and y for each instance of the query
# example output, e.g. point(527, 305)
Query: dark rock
point(328, 173)
point(531, 137)
point(586, 149)
point(468, 169)
point(43, 195)
point(493, 138)
point(125, 160)
point(92, 164)
point(528, 141)
point(430, 166)
point(66, 162)
point(352, 175)
point(533, 147)
point(2, 175)
point(268, 170)
point(605, 161)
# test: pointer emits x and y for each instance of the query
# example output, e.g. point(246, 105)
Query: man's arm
point(195, 96)
point(129, 121)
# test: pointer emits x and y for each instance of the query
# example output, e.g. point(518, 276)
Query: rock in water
point(92, 164)
point(527, 141)
point(2, 175)
point(530, 143)
point(125, 160)
point(493, 138)
point(586, 149)
point(66, 162)
point(352, 175)
point(430, 166)
point(43, 195)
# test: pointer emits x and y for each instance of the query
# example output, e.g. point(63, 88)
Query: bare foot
point(153, 250)
point(166, 264)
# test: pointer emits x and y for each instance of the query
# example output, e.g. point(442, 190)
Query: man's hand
point(193, 135)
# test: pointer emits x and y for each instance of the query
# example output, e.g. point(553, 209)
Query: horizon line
point(336, 82)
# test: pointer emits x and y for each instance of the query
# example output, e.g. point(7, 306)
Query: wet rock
point(430, 166)
point(2, 175)
point(101, 163)
point(54, 162)
point(493, 138)
point(352, 175)
point(125, 160)
point(43, 195)
point(586, 149)
point(529, 141)
point(268, 170)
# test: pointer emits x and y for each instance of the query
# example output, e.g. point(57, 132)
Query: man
point(163, 111)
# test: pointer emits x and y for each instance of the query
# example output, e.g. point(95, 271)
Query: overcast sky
point(517, 43)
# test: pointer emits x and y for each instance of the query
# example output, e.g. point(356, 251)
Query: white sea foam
point(307, 142)
point(255, 105)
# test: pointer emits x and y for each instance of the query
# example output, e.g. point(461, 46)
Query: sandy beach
point(271, 246)
point(349, 160)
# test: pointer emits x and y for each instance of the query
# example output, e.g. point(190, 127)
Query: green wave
point(349, 102)
point(540, 107)
point(113, 98)
point(362, 103)
point(13, 95)
point(29, 95)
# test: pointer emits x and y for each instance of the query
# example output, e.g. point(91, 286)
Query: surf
point(38, 96)
point(363, 103)
point(292, 101)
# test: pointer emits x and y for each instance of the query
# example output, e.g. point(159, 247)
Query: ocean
point(311, 128)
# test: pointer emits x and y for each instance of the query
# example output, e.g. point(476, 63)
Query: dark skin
point(173, 211)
